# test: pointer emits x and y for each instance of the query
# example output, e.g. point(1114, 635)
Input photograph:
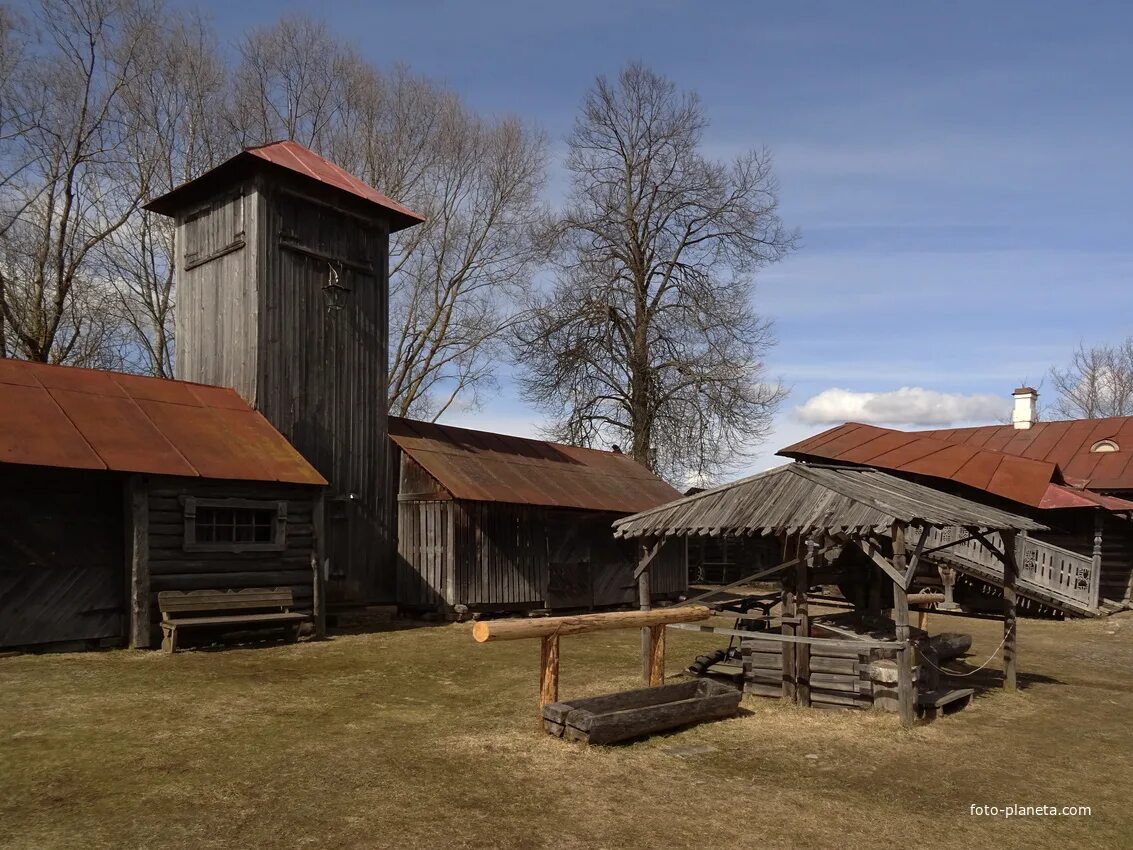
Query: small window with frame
point(234, 525)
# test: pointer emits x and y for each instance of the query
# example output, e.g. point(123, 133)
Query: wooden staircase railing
point(1047, 573)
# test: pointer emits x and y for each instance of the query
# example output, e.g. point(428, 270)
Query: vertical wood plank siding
point(322, 375)
point(502, 556)
point(217, 305)
point(172, 568)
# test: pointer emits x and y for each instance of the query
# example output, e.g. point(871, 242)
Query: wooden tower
point(282, 267)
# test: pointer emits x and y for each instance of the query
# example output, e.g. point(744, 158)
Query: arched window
point(1105, 446)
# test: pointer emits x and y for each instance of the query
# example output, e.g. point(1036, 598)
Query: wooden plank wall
point(501, 555)
point(423, 538)
point(172, 568)
point(669, 571)
point(62, 556)
point(217, 305)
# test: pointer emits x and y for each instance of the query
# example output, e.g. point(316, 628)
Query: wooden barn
point(498, 523)
point(116, 487)
point(282, 268)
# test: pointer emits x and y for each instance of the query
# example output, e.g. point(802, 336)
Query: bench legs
point(291, 633)
point(168, 639)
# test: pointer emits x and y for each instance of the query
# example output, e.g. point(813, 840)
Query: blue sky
point(960, 173)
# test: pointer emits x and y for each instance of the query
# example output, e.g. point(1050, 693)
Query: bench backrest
point(200, 601)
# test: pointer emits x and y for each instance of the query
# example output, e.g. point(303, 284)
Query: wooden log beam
point(911, 572)
point(924, 598)
point(901, 618)
point(490, 630)
point(897, 574)
point(773, 637)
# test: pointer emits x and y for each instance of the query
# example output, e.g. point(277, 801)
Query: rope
point(970, 672)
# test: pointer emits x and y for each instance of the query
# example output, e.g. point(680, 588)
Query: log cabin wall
point(283, 295)
point(171, 567)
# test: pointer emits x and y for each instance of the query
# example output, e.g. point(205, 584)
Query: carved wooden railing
point(1051, 570)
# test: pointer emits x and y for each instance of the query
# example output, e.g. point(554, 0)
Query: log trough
point(612, 718)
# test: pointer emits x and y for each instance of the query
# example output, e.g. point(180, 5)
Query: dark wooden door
point(569, 583)
point(62, 556)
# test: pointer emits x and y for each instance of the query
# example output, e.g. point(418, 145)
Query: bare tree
point(70, 134)
point(454, 280)
point(291, 82)
point(1098, 382)
point(649, 337)
point(179, 101)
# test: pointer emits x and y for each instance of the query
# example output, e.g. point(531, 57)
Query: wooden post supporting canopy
point(802, 651)
point(787, 613)
point(648, 551)
point(1010, 575)
point(901, 620)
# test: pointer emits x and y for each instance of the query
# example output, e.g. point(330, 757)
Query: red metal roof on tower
point(485, 467)
point(295, 158)
point(64, 416)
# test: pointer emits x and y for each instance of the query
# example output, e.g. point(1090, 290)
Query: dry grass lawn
point(421, 738)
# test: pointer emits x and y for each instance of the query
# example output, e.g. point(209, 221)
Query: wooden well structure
point(820, 514)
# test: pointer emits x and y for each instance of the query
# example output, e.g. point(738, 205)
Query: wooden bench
point(257, 607)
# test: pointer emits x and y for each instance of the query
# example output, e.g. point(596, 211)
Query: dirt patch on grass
point(422, 738)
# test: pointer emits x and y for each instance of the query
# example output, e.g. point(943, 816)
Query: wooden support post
point(905, 688)
point(649, 548)
point(138, 504)
point(548, 672)
point(319, 568)
point(1010, 575)
point(656, 656)
point(802, 651)
point(788, 612)
point(1096, 562)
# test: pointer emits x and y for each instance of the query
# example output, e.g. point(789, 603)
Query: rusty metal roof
point(76, 418)
point(1020, 479)
point(485, 467)
point(297, 159)
point(803, 498)
point(1065, 442)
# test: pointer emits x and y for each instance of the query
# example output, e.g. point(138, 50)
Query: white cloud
point(906, 406)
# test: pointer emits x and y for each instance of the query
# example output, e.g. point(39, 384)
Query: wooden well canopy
point(801, 498)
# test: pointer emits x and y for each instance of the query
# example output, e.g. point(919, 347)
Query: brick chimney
point(1026, 407)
